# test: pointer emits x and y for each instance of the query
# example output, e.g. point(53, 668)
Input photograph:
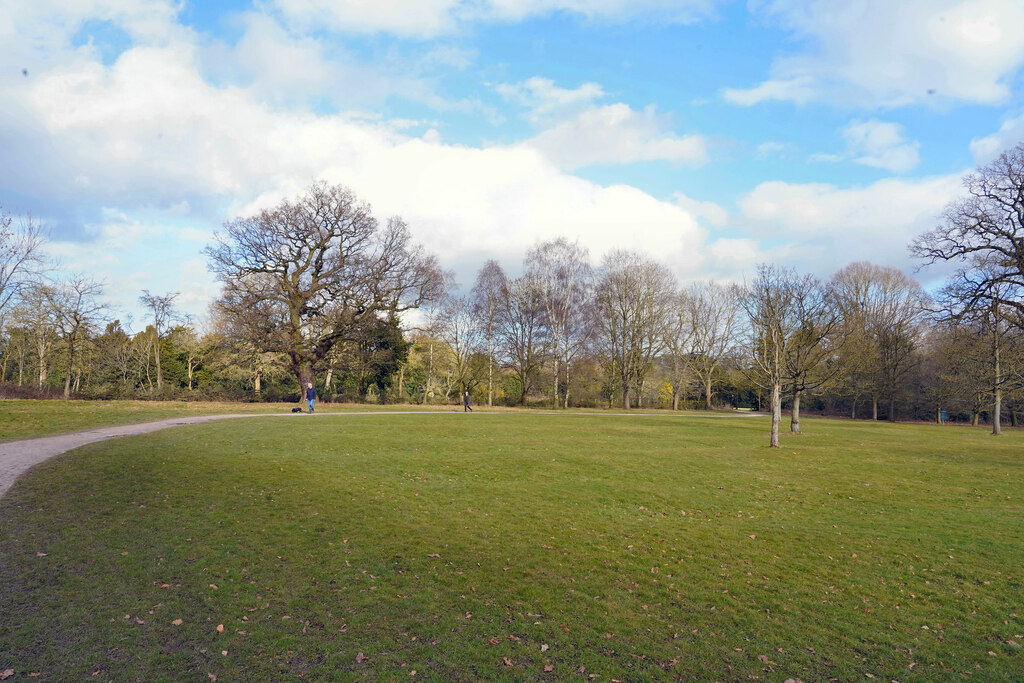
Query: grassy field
point(519, 546)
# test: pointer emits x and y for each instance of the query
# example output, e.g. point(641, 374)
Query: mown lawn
point(519, 546)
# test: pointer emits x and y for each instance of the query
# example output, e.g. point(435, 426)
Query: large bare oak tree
point(325, 266)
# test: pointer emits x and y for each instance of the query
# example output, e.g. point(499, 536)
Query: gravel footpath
point(17, 457)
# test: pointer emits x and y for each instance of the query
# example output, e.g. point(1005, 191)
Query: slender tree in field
point(769, 304)
point(521, 328)
point(487, 302)
point(814, 346)
point(634, 295)
point(712, 312)
point(323, 263)
point(564, 278)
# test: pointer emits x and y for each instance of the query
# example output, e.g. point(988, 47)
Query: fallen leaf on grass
point(508, 662)
point(360, 657)
point(224, 653)
point(544, 648)
point(549, 668)
point(434, 555)
point(41, 554)
point(177, 622)
point(220, 628)
point(6, 674)
point(213, 586)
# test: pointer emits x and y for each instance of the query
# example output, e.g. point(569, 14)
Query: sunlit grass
point(519, 546)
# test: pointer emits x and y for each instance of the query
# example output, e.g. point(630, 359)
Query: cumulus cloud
point(1009, 135)
point(577, 131)
point(163, 155)
point(430, 18)
point(834, 225)
point(879, 52)
point(881, 145)
point(617, 134)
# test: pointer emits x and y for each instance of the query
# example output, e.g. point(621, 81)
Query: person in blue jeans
point(311, 395)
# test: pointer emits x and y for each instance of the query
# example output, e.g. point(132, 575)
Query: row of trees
point(316, 289)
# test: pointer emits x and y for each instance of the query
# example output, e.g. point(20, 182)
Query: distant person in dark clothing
point(311, 395)
point(465, 402)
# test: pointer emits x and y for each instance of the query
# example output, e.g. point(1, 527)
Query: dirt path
point(18, 457)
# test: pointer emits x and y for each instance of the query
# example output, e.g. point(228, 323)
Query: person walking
point(311, 396)
point(465, 402)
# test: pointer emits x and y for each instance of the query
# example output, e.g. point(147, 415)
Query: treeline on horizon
point(316, 288)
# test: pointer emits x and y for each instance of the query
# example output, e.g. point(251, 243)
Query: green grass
point(26, 419)
point(519, 546)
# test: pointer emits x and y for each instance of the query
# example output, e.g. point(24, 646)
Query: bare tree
point(37, 316)
point(520, 329)
point(891, 306)
point(769, 305)
point(563, 275)
point(487, 298)
point(458, 328)
point(325, 265)
point(635, 296)
point(984, 232)
point(813, 348)
point(77, 308)
point(713, 314)
point(21, 242)
point(162, 308)
point(678, 337)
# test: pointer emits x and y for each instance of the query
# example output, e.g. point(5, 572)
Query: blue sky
point(712, 135)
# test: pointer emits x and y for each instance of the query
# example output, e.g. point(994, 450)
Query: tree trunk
point(675, 399)
point(853, 410)
point(794, 419)
point(707, 390)
point(567, 384)
point(874, 408)
point(892, 409)
point(554, 386)
point(938, 415)
point(625, 398)
point(490, 369)
point(71, 362)
point(997, 387)
point(776, 407)
point(401, 382)
point(256, 383)
point(1013, 417)
point(974, 418)
point(156, 353)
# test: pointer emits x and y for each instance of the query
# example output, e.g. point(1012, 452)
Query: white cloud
point(579, 132)
point(1009, 135)
point(149, 137)
point(840, 225)
point(881, 145)
point(880, 52)
point(430, 18)
point(616, 134)
point(545, 99)
point(709, 211)
point(799, 90)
